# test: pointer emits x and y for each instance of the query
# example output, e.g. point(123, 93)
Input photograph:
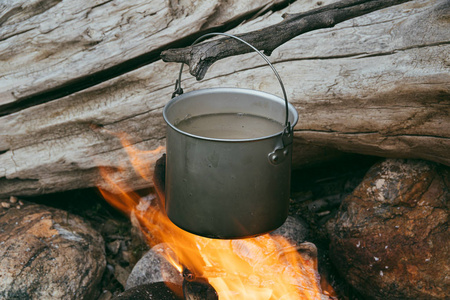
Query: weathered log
point(376, 85)
point(51, 48)
point(201, 57)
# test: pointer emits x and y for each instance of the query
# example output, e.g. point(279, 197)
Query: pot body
point(223, 188)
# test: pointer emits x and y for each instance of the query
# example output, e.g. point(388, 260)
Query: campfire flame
point(264, 268)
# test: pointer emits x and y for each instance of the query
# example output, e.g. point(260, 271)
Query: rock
point(46, 253)
point(13, 199)
point(113, 247)
point(106, 295)
point(294, 230)
point(199, 290)
point(390, 236)
point(13, 202)
point(153, 267)
point(152, 291)
point(110, 227)
point(121, 275)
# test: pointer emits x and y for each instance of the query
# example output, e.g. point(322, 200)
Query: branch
point(201, 56)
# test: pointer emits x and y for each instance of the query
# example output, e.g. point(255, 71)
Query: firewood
point(201, 57)
point(374, 85)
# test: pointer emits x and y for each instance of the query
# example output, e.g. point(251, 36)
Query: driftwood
point(376, 84)
point(52, 48)
point(201, 57)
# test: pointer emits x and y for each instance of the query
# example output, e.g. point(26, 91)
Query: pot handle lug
point(280, 153)
point(178, 89)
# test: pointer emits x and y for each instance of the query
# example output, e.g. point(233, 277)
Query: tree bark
point(376, 85)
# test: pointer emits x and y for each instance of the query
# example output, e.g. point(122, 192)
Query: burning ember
point(264, 267)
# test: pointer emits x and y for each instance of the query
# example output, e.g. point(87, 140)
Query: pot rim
point(291, 108)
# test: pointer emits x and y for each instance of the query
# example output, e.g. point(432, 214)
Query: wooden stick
point(201, 56)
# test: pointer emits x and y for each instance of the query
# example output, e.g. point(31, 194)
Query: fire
point(265, 267)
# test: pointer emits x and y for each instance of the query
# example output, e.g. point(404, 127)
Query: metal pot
point(228, 188)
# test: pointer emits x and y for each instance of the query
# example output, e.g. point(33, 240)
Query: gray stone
point(294, 230)
point(153, 267)
point(113, 247)
point(106, 295)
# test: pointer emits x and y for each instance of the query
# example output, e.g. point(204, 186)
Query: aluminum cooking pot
point(228, 187)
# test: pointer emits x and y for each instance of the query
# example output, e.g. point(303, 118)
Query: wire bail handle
point(281, 152)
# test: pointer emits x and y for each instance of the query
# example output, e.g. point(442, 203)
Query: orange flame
point(265, 267)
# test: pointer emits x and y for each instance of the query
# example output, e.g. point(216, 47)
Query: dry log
point(201, 57)
point(376, 84)
point(51, 48)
